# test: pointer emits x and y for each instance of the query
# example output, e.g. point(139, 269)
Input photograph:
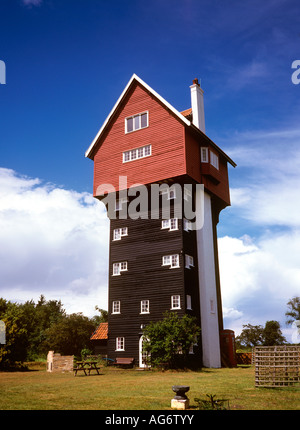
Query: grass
point(117, 389)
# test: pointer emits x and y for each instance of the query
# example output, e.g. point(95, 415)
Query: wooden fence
point(276, 366)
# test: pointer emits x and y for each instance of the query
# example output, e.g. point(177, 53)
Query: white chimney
point(197, 105)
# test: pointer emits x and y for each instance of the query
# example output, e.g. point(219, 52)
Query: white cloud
point(32, 2)
point(266, 191)
point(53, 242)
point(258, 278)
point(260, 274)
point(245, 75)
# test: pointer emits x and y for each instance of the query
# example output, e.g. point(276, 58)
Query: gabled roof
point(133, 79)
point(182, 116)
point(101, 332)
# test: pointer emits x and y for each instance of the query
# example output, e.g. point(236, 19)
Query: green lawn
point(117, 389)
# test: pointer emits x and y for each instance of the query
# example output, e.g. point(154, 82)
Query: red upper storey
point(165, 144)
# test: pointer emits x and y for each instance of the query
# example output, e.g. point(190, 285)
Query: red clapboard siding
point(165, 133)
point(197, 170)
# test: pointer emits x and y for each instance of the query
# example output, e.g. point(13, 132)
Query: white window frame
point(214, 159)
point(189, 261)
point(170, 191)
point(120, 343)
point(119, 233)
point(171, 260)
point(139, 125)
point(119, 267)
point(137, 153)
point(171, 224)
point(175, 302)
point(204, 155)
point(189, 302)
point(145, 307)
point(116, 307)
point(187, 225)
point(209, 157)
point(187, 194)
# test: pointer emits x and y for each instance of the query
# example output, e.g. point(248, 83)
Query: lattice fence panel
point(276, 366)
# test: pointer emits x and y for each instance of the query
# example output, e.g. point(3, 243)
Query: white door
point(142, 354)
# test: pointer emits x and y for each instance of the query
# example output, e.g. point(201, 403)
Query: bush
point(167, 342)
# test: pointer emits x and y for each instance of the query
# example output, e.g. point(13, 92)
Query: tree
point(15, 348)
point(70, 335)
point(165, 340)
point(32, 329)
point(98, 319)
point(272, 334)
point(293, 312)
point(255, 335)
point(251, 335)
point(46, 313)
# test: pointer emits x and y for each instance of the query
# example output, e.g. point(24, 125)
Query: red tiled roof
point(186, 112)
point(100, 332)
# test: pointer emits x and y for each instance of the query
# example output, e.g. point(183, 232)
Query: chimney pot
point(195, 81)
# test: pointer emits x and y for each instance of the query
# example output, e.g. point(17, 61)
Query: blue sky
point(67, 63)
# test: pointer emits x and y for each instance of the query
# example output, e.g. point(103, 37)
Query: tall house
point(147, 157)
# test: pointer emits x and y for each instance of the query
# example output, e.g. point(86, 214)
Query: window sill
point(212, 172)
point(137, 129)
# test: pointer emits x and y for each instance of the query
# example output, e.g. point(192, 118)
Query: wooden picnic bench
point(123, 361)
point(86, 366)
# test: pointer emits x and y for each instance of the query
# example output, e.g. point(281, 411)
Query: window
point(136, 122)
point(189, 261)
point(116, 307)
point(119, 203)
point(169, 191)
point(175, 302)
point(145, 307)
point(119, 232)
point(189, 302)
point(187, 225)
point(171, 224)
point(120, 344)
point(191, 350)
point(135, 154)
point(204, 155)
point(214, 160)
point(187, 194)
point(171, 260)
point(119, 267)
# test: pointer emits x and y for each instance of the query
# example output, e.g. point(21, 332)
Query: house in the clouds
point(160, 263)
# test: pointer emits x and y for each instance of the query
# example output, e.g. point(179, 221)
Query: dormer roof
point(184, 116)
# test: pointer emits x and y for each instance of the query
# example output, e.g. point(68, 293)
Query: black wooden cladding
point(147, 279)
